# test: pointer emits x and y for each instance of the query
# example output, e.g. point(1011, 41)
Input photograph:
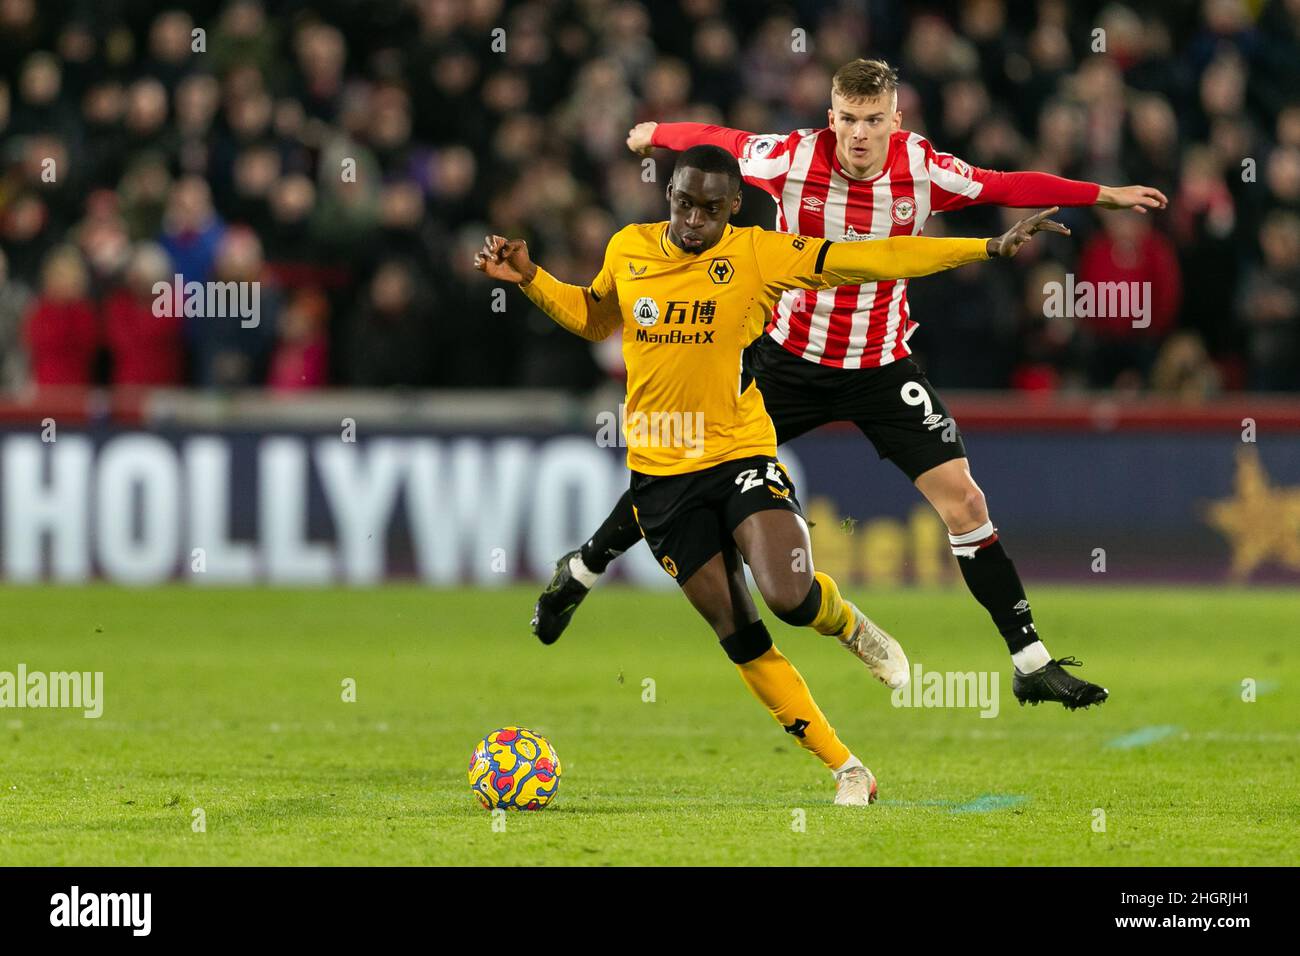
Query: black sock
point(806, 612)
point(618, 533)
point(749, 643)
point(992, 578)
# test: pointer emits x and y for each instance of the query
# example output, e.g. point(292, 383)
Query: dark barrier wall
point(486, 508)
point(1134, 506)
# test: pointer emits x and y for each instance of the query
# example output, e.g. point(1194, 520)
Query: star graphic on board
point(1261, 521)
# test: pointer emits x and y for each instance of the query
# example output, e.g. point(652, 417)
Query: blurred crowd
point(350, 156)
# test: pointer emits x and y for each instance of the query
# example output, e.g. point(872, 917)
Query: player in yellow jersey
point(688, 295)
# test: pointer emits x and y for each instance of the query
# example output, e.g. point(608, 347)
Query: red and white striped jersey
point(867, 325)
point(861, 326)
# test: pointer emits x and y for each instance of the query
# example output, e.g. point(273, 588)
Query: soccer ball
point(514, 769)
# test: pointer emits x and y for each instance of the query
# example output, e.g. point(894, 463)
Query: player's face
point(862, 129)
point(699, 207)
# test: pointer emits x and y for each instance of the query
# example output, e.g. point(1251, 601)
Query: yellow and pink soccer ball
point(515, 769)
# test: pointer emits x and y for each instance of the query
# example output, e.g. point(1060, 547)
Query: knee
point(965, 509)
point(793, 600)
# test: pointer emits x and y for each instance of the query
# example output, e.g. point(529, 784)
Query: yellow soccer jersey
point(686, 318)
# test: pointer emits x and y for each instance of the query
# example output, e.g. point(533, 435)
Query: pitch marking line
point(983, 804)
point(1143, 736)
point(990, 801)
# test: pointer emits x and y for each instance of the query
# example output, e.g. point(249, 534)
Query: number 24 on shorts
point(748, 478)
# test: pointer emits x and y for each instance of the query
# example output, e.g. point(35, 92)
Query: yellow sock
point(833, 617)
point(775, 682)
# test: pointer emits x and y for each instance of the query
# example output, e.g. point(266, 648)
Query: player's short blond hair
point(864, 79)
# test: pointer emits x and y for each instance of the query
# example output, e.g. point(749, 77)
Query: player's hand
point(505, 260)
point(1137, 198)
point(639, 136)
point(1009, 243)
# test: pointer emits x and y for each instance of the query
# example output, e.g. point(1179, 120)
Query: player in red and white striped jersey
point(842, 354)
point(892, 194)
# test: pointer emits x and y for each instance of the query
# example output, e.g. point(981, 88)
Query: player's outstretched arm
point(909, 257)
point(953, 186)
point(1009, 243)
point(901, 257)
point(764, 158)
point(1137, 198)
point(577, 309)
point(644, 137)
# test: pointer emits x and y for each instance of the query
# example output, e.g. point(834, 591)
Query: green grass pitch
point(231, 702)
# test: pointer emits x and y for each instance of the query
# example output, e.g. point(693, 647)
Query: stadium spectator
point(1270, 306)
point(196, 100)
point(289, 237)
point(968, 325)
point(1155, 151)
point(451, 174)
point(301, 359)
point(244, 36)
point(40, 107)
point(192, 232)
point(1183, 370)
point(144, 191)
point(61, 330)
point(1141, 261)
point(1204, 220)
point(146, 118)
point(463, 357)
point(347, 211)
point(103, 240)
point(145, 348)
point(231, 351)
point(103, 136)
point(27, 237)
point(389, 333)
point(1050, 346)
point(20, 32)
point(257, 170)
point(170, 57)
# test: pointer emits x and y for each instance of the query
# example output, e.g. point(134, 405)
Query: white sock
point(847, 765)
point(967, 545)
point(586, 577)
point(1031, 658)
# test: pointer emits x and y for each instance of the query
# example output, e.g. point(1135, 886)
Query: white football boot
point(875, 648)
point(855, 787)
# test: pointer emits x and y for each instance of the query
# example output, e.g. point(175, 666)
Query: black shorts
point(687, 519)
point(894, 405)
